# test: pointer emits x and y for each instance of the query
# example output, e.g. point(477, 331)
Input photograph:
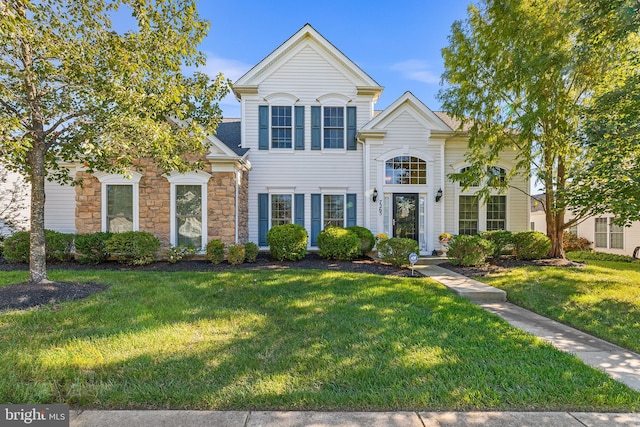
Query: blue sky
point(397, 43)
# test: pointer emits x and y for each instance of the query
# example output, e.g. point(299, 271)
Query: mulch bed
point(25, 295)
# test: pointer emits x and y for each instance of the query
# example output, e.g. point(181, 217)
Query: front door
point(405, 216)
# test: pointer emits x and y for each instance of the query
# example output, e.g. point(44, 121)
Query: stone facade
point(155, 205)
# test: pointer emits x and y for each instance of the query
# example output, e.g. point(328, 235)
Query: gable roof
point(303, 37)
point(409, 101)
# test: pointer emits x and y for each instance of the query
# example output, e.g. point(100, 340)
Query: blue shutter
point(351, 210)
point(299, 121)
point(316, 218)
point(298, 206)
point(263, 218)
point(351, 129)
point(315, 128)
point(263, 127)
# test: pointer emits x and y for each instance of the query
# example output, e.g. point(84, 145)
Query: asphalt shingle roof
point(229, 132)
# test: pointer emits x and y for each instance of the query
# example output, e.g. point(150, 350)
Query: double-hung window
point(333, 210)
point(600, 233)
point(120, 200)
point(497, 213)
point(608, 235)
point(616, 235)
point(281, 209)
point(119, 208)
point(468, 215)
point(281, 127)
point(333, 127)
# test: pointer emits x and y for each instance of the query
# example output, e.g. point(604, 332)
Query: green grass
point(289, 339)
point(602, 298)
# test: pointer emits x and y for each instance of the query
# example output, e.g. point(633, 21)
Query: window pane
point(405, 170)
point(468, 220)
point(333, 127)
point(616, 238)
point(474, 183)
point(333, 210)
point(189, 215)
point(281, 211)
point(497, 213)
point(600, 233)
point(119, 208)
point(281, 127)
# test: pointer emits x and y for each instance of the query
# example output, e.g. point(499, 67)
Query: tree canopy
point(74, 88)
point(523, 74)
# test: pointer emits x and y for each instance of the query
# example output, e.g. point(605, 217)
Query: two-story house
point(309, 149)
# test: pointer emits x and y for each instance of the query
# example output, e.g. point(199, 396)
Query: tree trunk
point(37, 256)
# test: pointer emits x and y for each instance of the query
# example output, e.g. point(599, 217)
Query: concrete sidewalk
point(346, 419)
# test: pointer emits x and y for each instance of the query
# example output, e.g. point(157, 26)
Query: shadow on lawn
point(291, 340)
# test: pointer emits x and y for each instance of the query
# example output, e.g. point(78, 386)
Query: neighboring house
point(604, 235)
point(309, 150)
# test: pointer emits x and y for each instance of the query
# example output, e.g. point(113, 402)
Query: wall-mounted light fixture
point(374, 195)
point(439, 195)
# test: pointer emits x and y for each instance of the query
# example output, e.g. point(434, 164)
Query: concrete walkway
point(346, 419)
point(619, 363)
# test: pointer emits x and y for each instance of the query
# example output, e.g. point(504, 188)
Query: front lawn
point(601, 298)
point(289, 339)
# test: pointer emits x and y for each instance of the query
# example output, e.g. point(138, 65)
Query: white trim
point(334, 100)
point(293, 205)
point(117, 179)
point(344, 206)
point(200, 178)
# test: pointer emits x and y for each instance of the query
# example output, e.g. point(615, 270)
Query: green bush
point(573, 243)
point(92, 248)
point(58, 246)
point(215, 251)
point(599, 256)
point(338, 243)
point(287, 241)
point(133, 247)
point(397, 250)
point(469, 250)
point(531, 245)
point(501, 240)
point(367, 240)
point(250, 252)
point(236, 254)
point(16, 247)
point(178, 253)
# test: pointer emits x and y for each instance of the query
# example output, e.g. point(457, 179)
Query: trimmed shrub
point(573, 243)
point(397, 250)
point(92, 248)
point(501, 239)
point(215, 251)
point(367, 240)
point(133, 247)
point(287, 241)
point(58, 246)
point(178, 253)
point(469, 250)
point(236, 254)
point(338, 243)
point(250, 252)
point(16, 247)
point(531, 245)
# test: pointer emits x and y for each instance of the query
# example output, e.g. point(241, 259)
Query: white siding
point(307, 75)
point(518, 205)
point(14, 205)
point(60, 207)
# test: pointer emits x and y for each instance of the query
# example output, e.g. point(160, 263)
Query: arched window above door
point(405, 170)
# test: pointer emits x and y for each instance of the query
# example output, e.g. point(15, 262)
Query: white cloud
point(415, 69)
point(231, 68)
